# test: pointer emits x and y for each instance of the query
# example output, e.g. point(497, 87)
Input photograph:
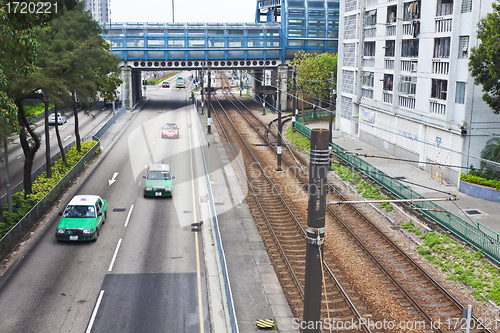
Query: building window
point(463, 47)
point(409, 48)
point(369, 49)
point(439, 89)
point(411, 11)
point(370, 17)
point(368, 79)
point(460, 93)
point(408, 85)
point(442, 47)
point(391, 14)
point(390, 46)
point(388, 81)
point(466, 6)
point(444, 7)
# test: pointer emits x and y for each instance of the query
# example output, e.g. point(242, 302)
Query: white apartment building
point(404, 85)
point(100, 10)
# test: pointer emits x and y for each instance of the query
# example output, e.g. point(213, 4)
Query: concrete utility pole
point(209, 119)
point(294, 74)
point(318, 167)
point(280, 126)
point(264, 90)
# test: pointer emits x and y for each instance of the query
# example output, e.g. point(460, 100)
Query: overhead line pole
point(209, 88)
point(315, 233)
point(280, 126)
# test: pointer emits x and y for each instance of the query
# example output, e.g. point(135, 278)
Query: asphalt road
point(87, 121)
point(145, 273)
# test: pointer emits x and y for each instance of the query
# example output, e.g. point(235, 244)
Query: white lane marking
point(128, 216)
point(19, 157)
point(114, 256)
point(94, 313)
point(113, 179)
point(66, 138)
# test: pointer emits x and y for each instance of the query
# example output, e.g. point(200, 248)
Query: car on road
point(82, 219)
point(61, 119)
point(170, 130)
point(159, 181)
point(165, 84)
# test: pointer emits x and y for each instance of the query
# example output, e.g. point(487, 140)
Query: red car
point(170, 130)
point(165, 84)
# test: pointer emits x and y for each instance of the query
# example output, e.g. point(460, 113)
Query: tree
point(485, 59)
point(491, 152)
point(314, 73)
point(19, 39)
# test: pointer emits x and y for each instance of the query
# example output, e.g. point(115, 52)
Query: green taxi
point(159, 181)
point(82, 219)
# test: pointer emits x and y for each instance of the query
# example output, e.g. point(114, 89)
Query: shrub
point(41, 186)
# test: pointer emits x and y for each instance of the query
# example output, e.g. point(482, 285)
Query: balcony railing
point(440, 67)
point(443, 24)
point(437, 107)
point(387, 97)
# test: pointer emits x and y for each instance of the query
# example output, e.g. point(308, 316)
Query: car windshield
point(79, 211)
point(170, 126)
point(159, 175)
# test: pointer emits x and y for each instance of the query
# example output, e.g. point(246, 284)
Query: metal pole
point(280, 126)
point(330, 125)
point(114, 117)
point(318, 167)
point(469, 315)
point(173, 21)
point(209, 119)
point(264, 90)
point(295, 111)
point(202, 93)
point(9, 193)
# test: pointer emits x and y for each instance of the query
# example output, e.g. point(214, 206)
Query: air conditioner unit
point(414, 66)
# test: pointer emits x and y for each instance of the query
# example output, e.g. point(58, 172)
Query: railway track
point(284, 238)
point(421, 295)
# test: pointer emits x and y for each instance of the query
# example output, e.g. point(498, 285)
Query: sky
point(190, 11)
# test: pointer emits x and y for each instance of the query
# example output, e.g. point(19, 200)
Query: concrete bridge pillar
point(283, 86)
point(136, 87)
point(127, 87)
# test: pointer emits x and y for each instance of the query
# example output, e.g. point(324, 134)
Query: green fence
point(478, 235)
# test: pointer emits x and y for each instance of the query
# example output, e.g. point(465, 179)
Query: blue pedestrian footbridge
point(282, 28)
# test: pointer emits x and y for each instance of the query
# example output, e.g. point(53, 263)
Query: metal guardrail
point(110, 122)
point(478, 235)
point(15, 235)
point(220, 249)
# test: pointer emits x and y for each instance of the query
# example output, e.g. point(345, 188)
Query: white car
point(61, 119)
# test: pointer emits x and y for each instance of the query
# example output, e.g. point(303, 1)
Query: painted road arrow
point(113, 179)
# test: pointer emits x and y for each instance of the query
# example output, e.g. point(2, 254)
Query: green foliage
point(314, 73)
point(41, 186)
point(298, 140)
point(363, 188)
point(32, 108)
point(491, 152)
point(410, 227)
point(462, 265)
point(484, 61)
point(480, 181)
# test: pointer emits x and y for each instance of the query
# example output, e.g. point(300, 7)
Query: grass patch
point(298, 140)
point(365, 189)
point(461, 264)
